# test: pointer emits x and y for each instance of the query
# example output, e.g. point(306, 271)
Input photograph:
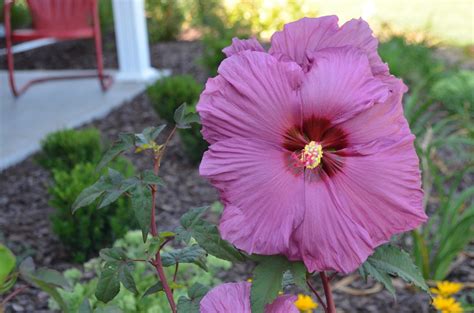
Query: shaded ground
point(24, 209)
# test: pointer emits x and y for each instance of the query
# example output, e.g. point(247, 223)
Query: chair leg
point(10, 60)
point(105, 80)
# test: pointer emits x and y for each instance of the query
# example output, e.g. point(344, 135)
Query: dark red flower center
point(319, 131)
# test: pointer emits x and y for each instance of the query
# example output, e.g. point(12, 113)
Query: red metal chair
point(61, 20)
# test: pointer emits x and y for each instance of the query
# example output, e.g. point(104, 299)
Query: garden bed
point(24, 209)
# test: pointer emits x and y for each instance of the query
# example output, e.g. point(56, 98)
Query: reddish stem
point(12, 295)
point(154, 232)
point(333, 275)
point(331, 307)
point(175, 272)
point(317, 295)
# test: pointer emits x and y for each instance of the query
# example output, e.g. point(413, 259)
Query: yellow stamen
point(311, 155)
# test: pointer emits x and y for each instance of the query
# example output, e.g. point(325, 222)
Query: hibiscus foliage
point(198, 238)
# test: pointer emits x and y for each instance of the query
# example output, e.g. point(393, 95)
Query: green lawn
point(451, 21)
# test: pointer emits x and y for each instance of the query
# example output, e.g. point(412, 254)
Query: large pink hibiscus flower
point(235, 297)
point(309, 149)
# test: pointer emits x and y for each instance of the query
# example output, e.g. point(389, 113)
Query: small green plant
point(456, 93)
point(197, 238)
point(193, 143)
point(90, 230)
point(169, 93)
point(63, 149)
point(412, 61)
point(12, 269)
point(128, 302)
point(451, 226)
point(166, 96)
point(165, 19)
point(212, 54)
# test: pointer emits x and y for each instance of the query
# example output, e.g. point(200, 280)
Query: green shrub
point(19, 15)
point(193, 143)
point(456, 92)
point(89, 229)
point(62, 150)
point(414, 62)
point(212, 55)
point(168, 94)
point(106, 15)
point(165, 19)
point(144, 277)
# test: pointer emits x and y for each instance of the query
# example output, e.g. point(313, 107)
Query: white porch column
point(132, 41)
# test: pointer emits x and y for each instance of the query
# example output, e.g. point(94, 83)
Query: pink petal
point(307, 35)
point(282, 304)
point(235, 297)
point(382, 176)
point(302, 37)
point(382, 120)
point(263, 200)
point(254, 96)
point(381, 187)
point(357, 33)
point(340, 85)
point(239, 45)
point(231, 297)
point(328, 239)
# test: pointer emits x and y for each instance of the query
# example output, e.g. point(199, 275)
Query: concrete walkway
point(50, 106)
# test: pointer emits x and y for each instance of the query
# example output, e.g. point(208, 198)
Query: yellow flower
point(447, 305)
point(305, 303)
point(446, 288)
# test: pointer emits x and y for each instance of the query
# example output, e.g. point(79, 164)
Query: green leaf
point(388, 259)
point(108, 309)
point(108, 285)
point(53, 293)
point(183, 119)
point(193, 254)
point(124, 143)
point(85, 307)
point(126, 277)
point(154, 289)
point(192, 216)
point(45, 279)
point(27, 267)
point(7, 263)
point(267, 281)
point(51, 277)
point(298, 271)
point(156, 242)
point(151, 133)
point(9, 283)
point(367, 269)
point(182, 234)
point(141, 204)
point(90, 194)
point(150, 178)
point(207, 235)
point(190, 304)
point(113, 254)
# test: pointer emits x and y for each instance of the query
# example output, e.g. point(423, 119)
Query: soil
point(24, 207)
